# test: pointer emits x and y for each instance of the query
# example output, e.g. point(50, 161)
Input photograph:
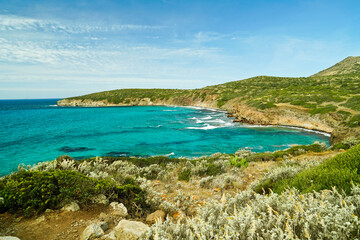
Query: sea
point(33, 131)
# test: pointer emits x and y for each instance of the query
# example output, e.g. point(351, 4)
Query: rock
point(92, 231)
point(118, 209)
point(106, 218)
point(71, 207)
point(100, 199)
point(9, 238)
point(155, 216)
point(104, 226)
point(40, 219)
point(109, 236)
point(130, 230)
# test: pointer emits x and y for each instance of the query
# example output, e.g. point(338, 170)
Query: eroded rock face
point(71, 207)
point(130, 230)
point(118, 209)
point(93, 231)
point(158, 215)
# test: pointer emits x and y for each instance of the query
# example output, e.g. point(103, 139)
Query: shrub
point(353, 103)
point(242, 163)
point(346, 144)
point(340, 172)
point(31, 192)
point(184, 175)
point(294, 151)
point(323, 110)
point(289, 215)
point(354, 121)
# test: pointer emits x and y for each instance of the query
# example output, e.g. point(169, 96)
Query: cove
point(39, 130)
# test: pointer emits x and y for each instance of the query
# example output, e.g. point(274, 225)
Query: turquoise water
point(38, 130)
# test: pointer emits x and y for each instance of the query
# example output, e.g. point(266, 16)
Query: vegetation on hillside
point(322, 93)
point(347, 66)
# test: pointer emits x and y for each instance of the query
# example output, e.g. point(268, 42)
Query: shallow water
point(38, 130)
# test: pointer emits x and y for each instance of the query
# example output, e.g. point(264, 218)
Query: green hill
point(327, 101)
point(350, 65)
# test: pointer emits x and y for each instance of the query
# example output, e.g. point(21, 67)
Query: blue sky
point(61, 48)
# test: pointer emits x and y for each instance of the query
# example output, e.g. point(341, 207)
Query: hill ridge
point(350, 65)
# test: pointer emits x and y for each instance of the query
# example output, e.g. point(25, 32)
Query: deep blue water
point(38, 130)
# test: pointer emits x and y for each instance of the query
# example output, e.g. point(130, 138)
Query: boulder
point(71, 207)
point(106, 218)
point(130, 230)
point(9, 238)
point(158, 215)
point(92, 231)
point(109, 236)
point(100, 199)
point(118, 209)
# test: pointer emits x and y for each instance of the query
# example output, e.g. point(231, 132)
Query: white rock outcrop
point(100, 199)
point(71, 207)
point(118, 209)
point(130, 230)
point(92, 231)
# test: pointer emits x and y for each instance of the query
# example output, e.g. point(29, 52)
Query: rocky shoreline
point(281, 116)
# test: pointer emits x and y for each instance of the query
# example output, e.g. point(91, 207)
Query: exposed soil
point(55, 225)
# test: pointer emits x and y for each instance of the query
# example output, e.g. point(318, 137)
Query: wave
point(216, 121)
point(170, 154)
point(207, 117)
point(206, 127)
point(170, 110)
point(196, 120)
point(55, 105)
point(291, 127)
point(309, 130)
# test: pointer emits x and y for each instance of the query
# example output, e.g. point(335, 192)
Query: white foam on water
point(207, 117)
point(216, 121)
point(291, 127)
point(170, 154)
point(206, 127)
point(53, 105)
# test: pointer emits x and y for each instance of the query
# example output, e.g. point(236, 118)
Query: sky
point(63, 48)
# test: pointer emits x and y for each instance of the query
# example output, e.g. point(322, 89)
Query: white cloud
point(18, 23)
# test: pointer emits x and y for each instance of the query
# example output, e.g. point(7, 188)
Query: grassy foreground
point(314, 196)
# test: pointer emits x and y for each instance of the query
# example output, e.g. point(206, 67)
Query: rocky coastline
point(282, 115)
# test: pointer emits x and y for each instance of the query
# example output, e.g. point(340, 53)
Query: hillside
point(350, 65)
point(329, 103)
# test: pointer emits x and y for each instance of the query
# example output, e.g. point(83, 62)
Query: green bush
point(184, 175)
point(341, 172)
point(354, 121)
point(353, 103)
point(242, 163)
point(345, 114)
point(31, 192)
point(323, 110)
point(294, 151)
